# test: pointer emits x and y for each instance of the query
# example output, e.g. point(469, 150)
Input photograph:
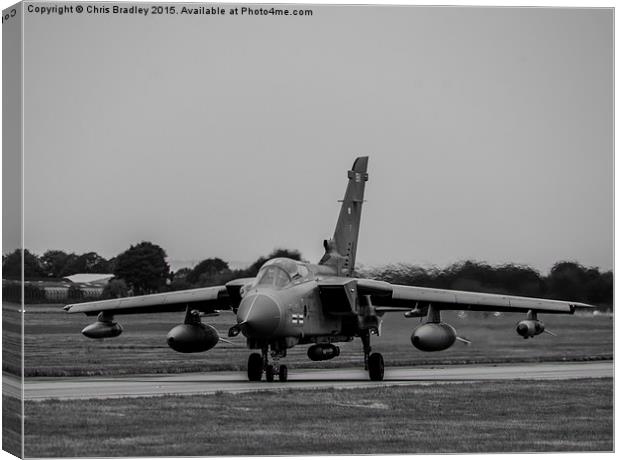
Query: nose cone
point(258, 315)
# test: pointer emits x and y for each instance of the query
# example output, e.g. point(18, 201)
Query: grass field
point(11, 338)
point(11, 425)
point(55, 347)
point(518, 416)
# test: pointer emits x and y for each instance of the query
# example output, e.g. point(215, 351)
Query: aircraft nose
point(258, 315)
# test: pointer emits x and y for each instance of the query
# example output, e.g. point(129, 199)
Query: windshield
point(273, 276)
point(280, 272)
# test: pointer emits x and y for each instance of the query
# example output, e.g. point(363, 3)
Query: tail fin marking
point(340, 252)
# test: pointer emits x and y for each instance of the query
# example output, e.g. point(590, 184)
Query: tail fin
point(340, 251)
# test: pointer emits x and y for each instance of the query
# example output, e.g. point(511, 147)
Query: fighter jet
point(292, 303)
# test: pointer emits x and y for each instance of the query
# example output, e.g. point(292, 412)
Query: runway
point(39, 388)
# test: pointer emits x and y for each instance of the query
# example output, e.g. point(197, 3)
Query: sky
point(489, 132)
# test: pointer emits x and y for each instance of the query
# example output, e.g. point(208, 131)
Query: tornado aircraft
point(292, 303)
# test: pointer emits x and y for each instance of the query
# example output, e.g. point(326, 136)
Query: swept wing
point(405, 296)
point(203, 299)
point(386, 297)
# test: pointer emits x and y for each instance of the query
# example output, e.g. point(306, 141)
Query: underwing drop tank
point(433, 337)
point(102, 330)
point(530, 328)
point(323, 352)
point(192, 338)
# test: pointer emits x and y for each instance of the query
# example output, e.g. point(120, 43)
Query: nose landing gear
point(255, 367)
point(269, 372)
point(281, 371)
point(259, 363)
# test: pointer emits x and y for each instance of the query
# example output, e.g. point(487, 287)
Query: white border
point(571, 4)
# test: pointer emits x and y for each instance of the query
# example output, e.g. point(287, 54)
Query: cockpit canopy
point(280, 272)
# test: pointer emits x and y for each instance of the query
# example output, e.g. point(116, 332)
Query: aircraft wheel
point(255, 367)
point(375, 367)
point(283, 373)
point(269, 372)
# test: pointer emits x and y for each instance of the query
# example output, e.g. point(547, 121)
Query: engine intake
point(433, 337)
point(192, 338)
point(323, 352)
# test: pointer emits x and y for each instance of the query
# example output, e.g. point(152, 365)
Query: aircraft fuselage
point(282, 311)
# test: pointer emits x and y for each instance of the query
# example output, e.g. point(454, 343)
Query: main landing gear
point(373, 362)
point(259, 363)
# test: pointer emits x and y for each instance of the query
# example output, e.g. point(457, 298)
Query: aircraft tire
point(269, 372)
point(283, 373)
point(255, 367)
point(375, 367)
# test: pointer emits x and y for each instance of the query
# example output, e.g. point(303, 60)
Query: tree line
point(142, 269)
point(53, 264)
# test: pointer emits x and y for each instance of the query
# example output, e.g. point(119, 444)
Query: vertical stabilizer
point(340, 251)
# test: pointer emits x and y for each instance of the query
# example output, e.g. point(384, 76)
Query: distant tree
point(252, 270)
point(143, 267)
point(54, 262)
point(409, 275)
point(573, 281)
point(605, 287)
point(12, 265)
point(206, 271)
point(115, 288)
point(600, 288)
point(567, 281)
point(520, 280)
point(179, 280)
point(282, 252)
point(70, 266)
point(89, 262)
point(181, 273)
point(111, 265)
point(481, 277)
point(32, 265)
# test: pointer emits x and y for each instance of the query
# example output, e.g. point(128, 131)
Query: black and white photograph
point(245, 229)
